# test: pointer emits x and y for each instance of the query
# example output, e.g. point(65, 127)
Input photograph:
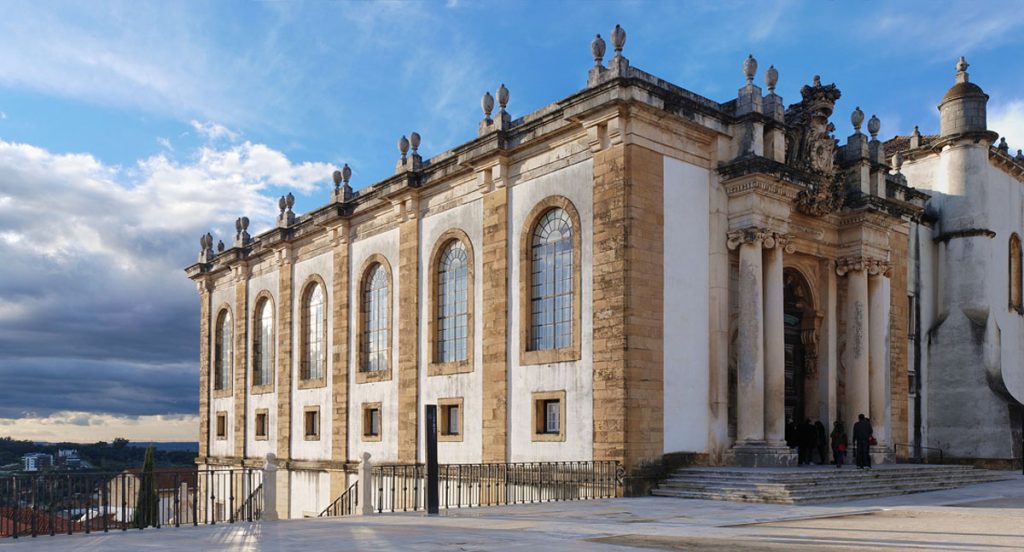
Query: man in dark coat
point(807, 438)
point(821, 441)
point(791, 433)
point(862, 433)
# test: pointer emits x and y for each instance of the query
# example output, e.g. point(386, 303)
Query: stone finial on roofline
point(487, 105)
point(597, 47)
point(750, 68)
point(206, 253)
point(618, 39)
point(897, 161)
point(242, 237)
point(220, 246)
point(286, 217)
point(874, 125)
point(915, 138)
point(1020, 156)
point(771, 78)
point(1003, 146)
point(408, 162)
point(342, 191)
point(857, 118)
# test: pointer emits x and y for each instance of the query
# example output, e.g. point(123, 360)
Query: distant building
point(35, 461)
point(69, 459)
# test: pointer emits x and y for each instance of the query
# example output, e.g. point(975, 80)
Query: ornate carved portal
point(801, 334)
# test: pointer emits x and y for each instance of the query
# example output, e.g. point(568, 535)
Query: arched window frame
point(261, 348)
point(435, 366)
point(362, 374)
point(536, 215)
point(223, 352)
point(304, 381)
point(1016, 294)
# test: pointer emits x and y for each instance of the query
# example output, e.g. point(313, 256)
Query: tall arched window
point(222, 359)
point(314, 333)
point(263, 344)
point(375, 319)
point(551, 282)
point(453, 303)
point(1016, 298)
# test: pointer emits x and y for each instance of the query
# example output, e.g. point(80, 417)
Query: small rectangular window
point(222, 425)
point(371, 422)
point(449, 422)
point(312, 423)
point(549, 416)
point(261, 424)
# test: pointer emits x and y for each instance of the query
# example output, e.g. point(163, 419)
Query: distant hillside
point(115, 456)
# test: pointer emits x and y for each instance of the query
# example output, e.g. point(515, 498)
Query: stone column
point(340, 358)
point(204, 368)
point(855, 357)
point(408, 330)
point(774, 343)
point(750, 356)
point(878, 350)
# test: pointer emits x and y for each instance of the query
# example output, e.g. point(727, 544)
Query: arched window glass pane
point(452, 303)
point(263, 347)
point(316, 339)
point(222, 355)
point(551, 282)
point(375, 316)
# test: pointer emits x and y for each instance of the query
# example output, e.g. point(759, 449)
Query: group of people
point(809, 439)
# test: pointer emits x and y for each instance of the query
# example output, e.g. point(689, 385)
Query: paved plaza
point(989, 516)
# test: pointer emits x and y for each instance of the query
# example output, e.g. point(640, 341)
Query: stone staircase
point(808, 484)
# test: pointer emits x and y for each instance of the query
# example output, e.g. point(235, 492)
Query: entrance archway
point(800, 347)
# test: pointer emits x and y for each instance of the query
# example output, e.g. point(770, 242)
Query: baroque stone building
point(632, 273)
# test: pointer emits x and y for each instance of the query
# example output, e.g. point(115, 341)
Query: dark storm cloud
point(96, 313)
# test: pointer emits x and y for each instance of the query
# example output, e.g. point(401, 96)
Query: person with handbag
point(839, 440)
point(862, 436)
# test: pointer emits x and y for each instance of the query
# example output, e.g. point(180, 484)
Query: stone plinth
point(764, 455)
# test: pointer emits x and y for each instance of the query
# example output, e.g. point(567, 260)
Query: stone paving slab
point(910, 522)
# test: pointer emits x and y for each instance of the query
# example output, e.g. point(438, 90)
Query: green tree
point(147, 506)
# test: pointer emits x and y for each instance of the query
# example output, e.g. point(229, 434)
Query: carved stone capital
point(782, 241)
point(736, 238)
point(873, 267)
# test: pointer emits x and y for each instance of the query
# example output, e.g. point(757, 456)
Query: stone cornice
point(965, 233)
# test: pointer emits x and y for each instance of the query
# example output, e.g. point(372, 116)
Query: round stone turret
point(963, 108)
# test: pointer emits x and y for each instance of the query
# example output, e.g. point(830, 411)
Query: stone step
point(800, 485)
point(823, 479)
point(826, 492)
point(804, 498)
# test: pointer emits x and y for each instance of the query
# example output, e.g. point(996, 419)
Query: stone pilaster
point(408, 333)
point(495, 320)
point(204, 368)
point(240, 365)
point(628, 292)
point(898, 344)
point(284, 359)
point(339, 358)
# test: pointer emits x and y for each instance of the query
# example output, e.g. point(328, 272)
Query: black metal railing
point(402, 487)
point(85, 502)
point(917, 454)
point(344, 505)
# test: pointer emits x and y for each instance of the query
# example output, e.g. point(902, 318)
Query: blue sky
point(127, 129)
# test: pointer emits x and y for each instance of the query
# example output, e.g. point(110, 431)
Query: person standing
point(862, 434)
point(806, 438)
point(821, 441)
point(839, 440)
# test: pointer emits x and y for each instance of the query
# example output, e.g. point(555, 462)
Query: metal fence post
point(366, 485)
point(270, 488)
point(431, 438)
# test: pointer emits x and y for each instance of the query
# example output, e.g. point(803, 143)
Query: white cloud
point(76, 426)
point(214, 131)
point(165, 143)
point(1007, 118)
point(95, 310)
point(3, 116)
